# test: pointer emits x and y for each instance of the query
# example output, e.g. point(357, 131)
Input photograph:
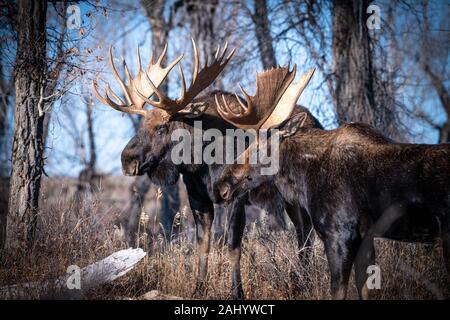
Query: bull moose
point(149, 152)
point(354, 183)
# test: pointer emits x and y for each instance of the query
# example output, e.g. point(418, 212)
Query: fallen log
point(79, 281)
point(156, 295)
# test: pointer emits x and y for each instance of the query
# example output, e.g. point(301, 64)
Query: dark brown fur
point(355, 183)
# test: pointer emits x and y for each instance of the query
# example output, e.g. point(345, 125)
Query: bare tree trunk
point(3, 131)
point(444, 97)
point(88, 174)
point(27, 155)
point(91, 136)
point(262, 29)
point(4, 192)
point(57, 68)
point(3, 168)
point(5, 94)
point(444, 132)
point(200, 15)
point(352, 63)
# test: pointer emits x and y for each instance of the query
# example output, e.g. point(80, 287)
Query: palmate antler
point(273, 102)
point(134, 103)
point(138, 90)
point(200, 80)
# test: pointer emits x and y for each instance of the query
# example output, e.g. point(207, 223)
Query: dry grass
point(80, 230)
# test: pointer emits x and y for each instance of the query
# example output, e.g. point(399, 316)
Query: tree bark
point(200, 15)
point(444, 97)
point(91, 136)
point(5, 95)
point(3, 134)
point(27, 154)
point(88, 175)
point(352, 63)
point(262, 29)
point(6, 92)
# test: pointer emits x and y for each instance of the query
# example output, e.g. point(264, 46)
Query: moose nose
point(131, 169)
point(225, 191)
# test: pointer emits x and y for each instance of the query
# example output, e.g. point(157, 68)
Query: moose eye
point(161, 129)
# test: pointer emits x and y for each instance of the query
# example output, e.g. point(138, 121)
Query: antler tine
point(229, 110)
point(247, 98)
point(219, 106)
point(230, 55)
point(98, 95)
point(107, 100)
point(116, 75)
point(241, 104)
point(161, 97)
point(263, 109)
point(183, 82)
point(127, 72)
point(142, 86)
point(201, 78)
point(115, 96)
point(226, 110)
point(243, 110)
point(173, 64)
point(216, 55)
point(288, 100)
point(195, 69)
point(163, 54)
point(150, 61)
point(225, 47)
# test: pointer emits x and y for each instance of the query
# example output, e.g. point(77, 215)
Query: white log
point(94, 275)
point(156, 295)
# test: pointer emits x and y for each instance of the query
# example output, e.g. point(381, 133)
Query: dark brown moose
point(355, 184)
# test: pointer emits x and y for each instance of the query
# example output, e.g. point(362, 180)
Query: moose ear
point(194, 110)
point(291, 125)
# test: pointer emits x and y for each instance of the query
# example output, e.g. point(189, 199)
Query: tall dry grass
point(80, 229)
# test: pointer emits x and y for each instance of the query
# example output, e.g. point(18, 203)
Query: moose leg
point(305, 238)
point(366, 252)
point(303, 228)
point(364, 258)
point(203, 217)
point(236, 226)
point(341, 247)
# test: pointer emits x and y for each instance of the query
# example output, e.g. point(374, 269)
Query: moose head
point(270, 108)
point(148, 149)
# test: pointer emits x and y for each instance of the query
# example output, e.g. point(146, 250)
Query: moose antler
point(134, 103)
point(200, 80)
point(273, 102)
